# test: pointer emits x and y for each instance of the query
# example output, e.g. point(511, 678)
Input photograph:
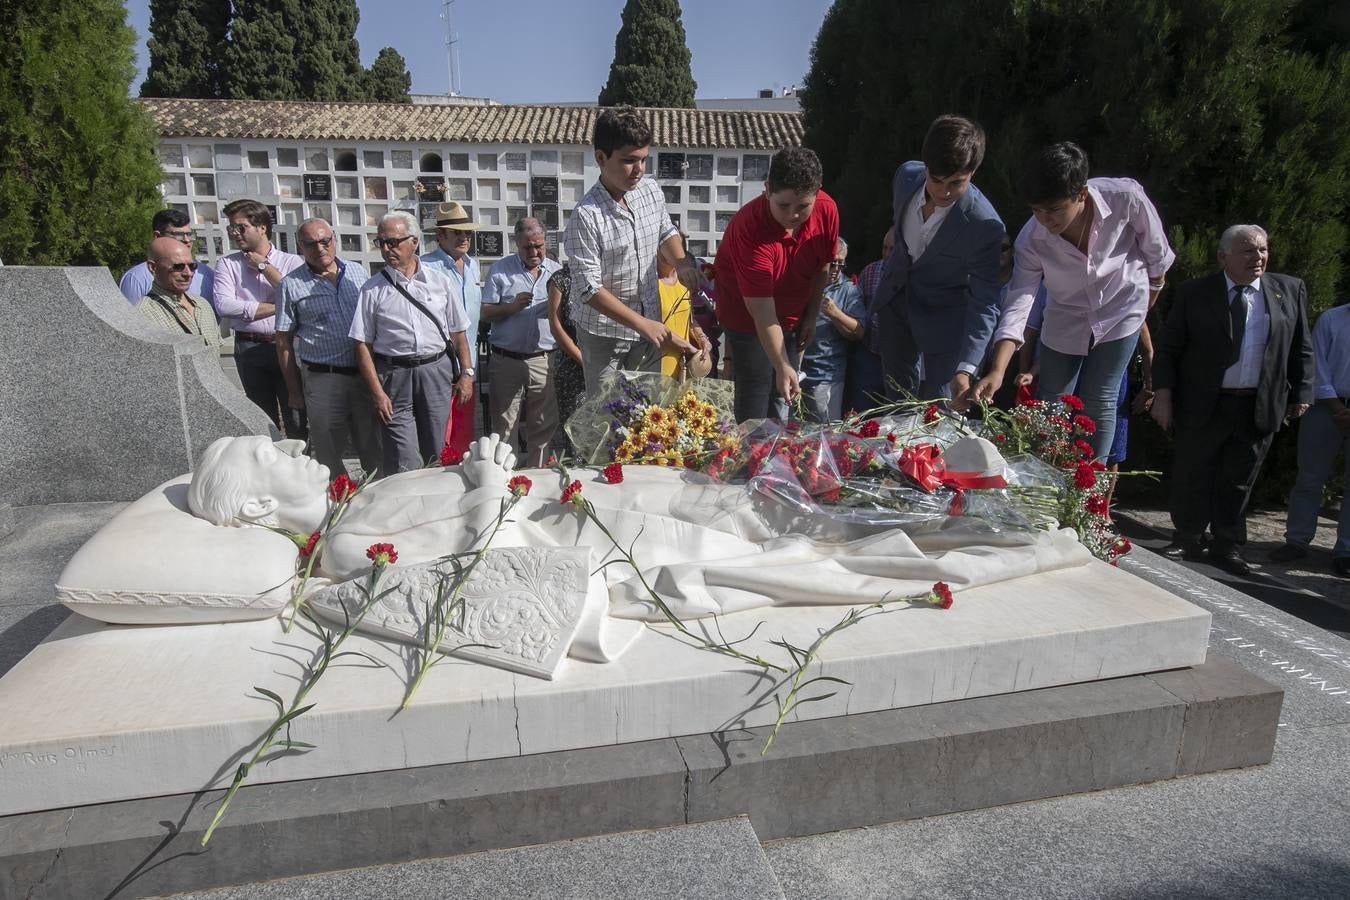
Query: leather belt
point(252, 337)
point(1238, 392)
point(511, 354)
point(325, 369)
point(408, 362)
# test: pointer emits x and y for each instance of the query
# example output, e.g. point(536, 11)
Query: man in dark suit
point(1233, 359)
point(938, 300)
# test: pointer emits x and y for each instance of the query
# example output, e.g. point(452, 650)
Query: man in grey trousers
point(408, 318)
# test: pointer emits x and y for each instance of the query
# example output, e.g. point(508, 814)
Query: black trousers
point(260, 374)
point(1213, 471)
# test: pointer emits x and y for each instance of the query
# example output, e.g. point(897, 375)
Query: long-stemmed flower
point(341, 492)
point(381, 555)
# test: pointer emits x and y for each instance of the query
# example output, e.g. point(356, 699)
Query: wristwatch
point(262, 266)
point(467, 370)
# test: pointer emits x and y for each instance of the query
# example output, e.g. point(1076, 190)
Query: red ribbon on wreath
point(924, 463)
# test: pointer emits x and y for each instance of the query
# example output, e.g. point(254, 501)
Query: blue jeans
point(752, 373)
point(1319, 440)
point(1098, 378)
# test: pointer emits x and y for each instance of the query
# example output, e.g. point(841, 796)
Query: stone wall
point(95, 402)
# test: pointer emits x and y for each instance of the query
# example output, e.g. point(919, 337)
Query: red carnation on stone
point(382, 555)
point(309, 545)
point(1084, 477)
point(931, 413)
point(870, 428)
point(1072, 402)
point(342, 488)
point(613, 473)
point(519, 485)
point(1084, 423)
point(572, 494)
point(941, 595)
point(448, 456)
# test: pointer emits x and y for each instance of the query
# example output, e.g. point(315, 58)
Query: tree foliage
point(78, 175)
point(388, 80)
point(187, 44)
point(294, 50)
point(651, 58)
point(1226, 111)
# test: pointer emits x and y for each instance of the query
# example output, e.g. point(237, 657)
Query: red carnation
point(1083, 447)
point(613, 473)
point(1084, 477)
point(1000, 438)
point(931, 413)
point(1097, 505)
point(551, 461)
point(519, 485)
point(891, 438)
point(941, 595)
point(308, 548)
point(382, 554)
point(341, 489)
point(1085, 424)
point(870, 428)
point(572, 494)
point(1072, 402)
point(448, 456)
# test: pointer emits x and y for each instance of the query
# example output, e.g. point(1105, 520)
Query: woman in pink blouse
point(1098, 247)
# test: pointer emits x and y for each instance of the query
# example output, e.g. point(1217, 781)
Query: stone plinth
point(104, 712)
point(100, 404)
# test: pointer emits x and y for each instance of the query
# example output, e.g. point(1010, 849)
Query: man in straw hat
point(453, 256)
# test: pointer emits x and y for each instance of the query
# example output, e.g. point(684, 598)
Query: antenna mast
point(451, 50)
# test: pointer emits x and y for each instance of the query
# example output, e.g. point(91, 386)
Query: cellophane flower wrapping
point(645, 417)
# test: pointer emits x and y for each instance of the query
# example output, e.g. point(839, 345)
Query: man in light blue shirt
point(840, 322)
point(515, 301)
point(315, 306)
point(137, 281)
point(1323, 432)
point(454, 239)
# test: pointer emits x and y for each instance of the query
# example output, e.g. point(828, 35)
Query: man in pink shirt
point(245, 299)
point(1098, 247)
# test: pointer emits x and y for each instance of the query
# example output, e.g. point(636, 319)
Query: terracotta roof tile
point(286, 120)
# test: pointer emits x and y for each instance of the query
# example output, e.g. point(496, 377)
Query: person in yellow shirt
point(677, 315)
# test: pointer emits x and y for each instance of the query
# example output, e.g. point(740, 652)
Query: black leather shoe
point(1230, 560)
point(1188, 550)
point(1288, 553)
point(1341, 566)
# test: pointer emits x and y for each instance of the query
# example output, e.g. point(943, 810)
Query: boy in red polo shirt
point(772, 264)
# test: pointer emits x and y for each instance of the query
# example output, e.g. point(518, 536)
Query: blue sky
point(533, 50)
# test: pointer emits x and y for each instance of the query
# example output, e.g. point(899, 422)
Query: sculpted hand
point(488, 463)
point(1162, 409)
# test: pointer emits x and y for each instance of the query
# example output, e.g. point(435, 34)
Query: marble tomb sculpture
point(195, 550)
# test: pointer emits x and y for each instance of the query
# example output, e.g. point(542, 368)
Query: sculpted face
point(255, 480)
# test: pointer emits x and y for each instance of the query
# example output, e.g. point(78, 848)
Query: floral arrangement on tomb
point(653, 420)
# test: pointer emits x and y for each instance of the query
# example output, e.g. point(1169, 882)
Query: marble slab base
point(101, 712)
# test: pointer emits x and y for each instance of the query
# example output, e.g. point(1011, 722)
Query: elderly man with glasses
point(246, 291)
point(408, 319)
point(170, 302)
point(170, 223)
point(315, 307)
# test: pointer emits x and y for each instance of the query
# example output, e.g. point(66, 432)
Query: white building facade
point(352, 162)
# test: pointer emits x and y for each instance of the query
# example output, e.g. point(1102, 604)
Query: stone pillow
point(156, 563)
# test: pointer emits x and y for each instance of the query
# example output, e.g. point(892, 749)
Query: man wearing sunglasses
point(315, 307)
point(245, 298)
point(171, 223)
point(170, 303)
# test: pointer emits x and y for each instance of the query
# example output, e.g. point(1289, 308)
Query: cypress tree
point(1223, 117)
point(388, 80)
point(79, 180)
point(294, 50)
point(651, 58)
point(187, 42)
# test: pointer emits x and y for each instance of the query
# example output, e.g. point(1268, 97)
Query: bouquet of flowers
point(647, 418)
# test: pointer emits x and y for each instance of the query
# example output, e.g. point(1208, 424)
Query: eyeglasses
point(236, 229)
point(184, 236)
point(325, 243)
point(182, 267)
point(392, 243)
point(836, 265)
